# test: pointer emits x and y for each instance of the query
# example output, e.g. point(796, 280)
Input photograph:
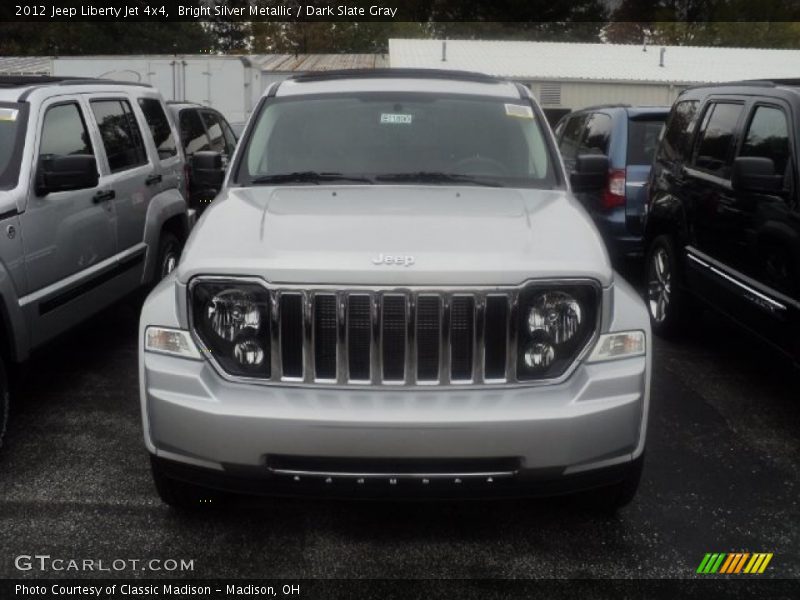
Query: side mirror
point(755, 174)
point(207, 170)
point(65, 173)
point(590, 173)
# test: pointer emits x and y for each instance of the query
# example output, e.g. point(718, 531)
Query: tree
point(76, 38)
point(227, 36)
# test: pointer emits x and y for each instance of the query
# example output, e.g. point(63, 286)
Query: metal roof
point(558, 61)
point(293, 63)
point(25, 65)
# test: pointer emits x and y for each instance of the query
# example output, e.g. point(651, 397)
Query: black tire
point(668, 303)
point(5, 401)
point(182, 495)
point(169, 252)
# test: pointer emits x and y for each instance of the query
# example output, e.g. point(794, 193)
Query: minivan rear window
point(13, 121)
point(643, 139)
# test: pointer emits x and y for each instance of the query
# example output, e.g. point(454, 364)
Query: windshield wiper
point(308, 177)
point(437, 177)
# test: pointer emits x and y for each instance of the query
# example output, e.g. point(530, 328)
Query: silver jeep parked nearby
point(91, 204)
point(396, 294)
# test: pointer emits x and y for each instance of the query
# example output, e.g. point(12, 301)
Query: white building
point(231, 84)
point(568, 76)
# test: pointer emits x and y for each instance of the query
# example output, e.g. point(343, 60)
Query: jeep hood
point(456, 236)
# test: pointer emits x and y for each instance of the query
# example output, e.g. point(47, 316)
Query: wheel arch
point(167, 212)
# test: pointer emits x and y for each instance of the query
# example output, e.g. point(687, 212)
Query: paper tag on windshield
point(519, 110)
point(8, 114)
point(395, 119)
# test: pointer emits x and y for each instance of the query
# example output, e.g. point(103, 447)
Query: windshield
point(12, 131)
point(398, 138)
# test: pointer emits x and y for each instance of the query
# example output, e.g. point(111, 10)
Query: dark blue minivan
point(628, 136)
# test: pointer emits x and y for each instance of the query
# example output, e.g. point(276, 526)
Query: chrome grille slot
point(462, 327)
point(291, 334)
point(393, 337)
point(359, 337)
point(325, 336)
point(495, 337)
point(428, 332)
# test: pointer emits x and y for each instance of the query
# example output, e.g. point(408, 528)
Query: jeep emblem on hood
point(388, 259)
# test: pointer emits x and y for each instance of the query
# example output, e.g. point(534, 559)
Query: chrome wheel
point(659, 285)
point(169, 263)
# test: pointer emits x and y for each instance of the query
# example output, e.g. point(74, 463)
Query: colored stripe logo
point(734, 563)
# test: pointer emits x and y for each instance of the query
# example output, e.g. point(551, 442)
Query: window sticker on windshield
point(395, 119)
point(519, 110)
point(8, 114)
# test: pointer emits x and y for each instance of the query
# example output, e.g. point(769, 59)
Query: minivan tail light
point(614, 194)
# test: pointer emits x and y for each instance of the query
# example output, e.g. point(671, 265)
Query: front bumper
point(591, 421)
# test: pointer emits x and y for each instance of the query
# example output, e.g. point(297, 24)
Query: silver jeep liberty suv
point(396, 294)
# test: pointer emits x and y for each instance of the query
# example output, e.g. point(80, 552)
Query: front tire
point(667, 302)
point(169, 253)
point(183, 495)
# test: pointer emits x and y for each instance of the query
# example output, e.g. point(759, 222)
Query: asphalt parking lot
point(721, 476)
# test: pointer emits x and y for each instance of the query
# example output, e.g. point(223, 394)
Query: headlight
point(556, 323)
point(557, 315)
point(231, 312)
point(539, 357)
point(232, 321)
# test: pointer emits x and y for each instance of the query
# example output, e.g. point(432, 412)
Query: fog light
point(249, 353)
point(170, 341)
point(539, 356)
point(623, 344)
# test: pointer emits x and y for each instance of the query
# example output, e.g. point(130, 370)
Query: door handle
point(153, 179)
point(104, 196)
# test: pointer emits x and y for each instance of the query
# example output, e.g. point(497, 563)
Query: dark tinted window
point(120, 133)
point(230, 137)
point(159, 127)
point(569, 140)
point(596, 135)
point(64, 132)
point(215, 133)
point(13, 119)
point(678, 134)
point(768, 136)
point(643, 141)
point(193, 134)
point(714, 146)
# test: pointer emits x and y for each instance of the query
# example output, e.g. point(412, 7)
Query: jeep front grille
point(388, 336)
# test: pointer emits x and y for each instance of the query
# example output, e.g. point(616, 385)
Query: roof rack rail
point(37, 80)
point(744, 83)
point(397, 74)
point(610, 105)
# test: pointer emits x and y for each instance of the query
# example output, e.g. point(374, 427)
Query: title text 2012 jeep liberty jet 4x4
point(396, 294)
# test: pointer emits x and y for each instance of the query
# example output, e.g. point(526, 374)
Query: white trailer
point(229, 84)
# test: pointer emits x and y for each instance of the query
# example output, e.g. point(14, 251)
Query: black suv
point(723, 220)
